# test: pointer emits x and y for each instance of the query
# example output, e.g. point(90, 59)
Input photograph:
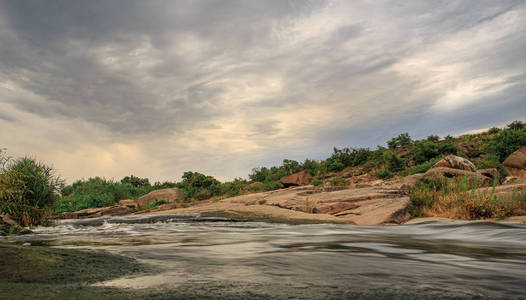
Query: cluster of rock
point(456, 167)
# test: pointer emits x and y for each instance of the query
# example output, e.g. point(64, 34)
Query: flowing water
point(472, 259)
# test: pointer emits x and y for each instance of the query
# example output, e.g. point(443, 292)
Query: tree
point(516, 125)
point(136, 181)
point(433, 138)
point(403, 140)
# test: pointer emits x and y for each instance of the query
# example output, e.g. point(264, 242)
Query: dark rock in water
point(300, 178)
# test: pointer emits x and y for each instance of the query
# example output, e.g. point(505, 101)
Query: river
point(471, 259)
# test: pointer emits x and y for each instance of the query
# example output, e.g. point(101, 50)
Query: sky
point(156, 88)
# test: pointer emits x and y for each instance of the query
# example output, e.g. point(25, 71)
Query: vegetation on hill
point(30, 191)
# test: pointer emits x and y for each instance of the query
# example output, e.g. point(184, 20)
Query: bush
point(493, 130)
point(316, 181)
point(384, 174)
point(433, 138)
point(492, 161)
point(28, 189)
point(272, 185)
point(447, 148)
point(424, 151)
point(424, 167)
point(96, 192)
point(509, 141)
point(136, 181)
point(197, 186)
point(338, 181)
point(394, 163)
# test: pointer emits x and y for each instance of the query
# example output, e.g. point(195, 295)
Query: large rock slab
point(456, 162)
point(516, 163)
point(168, 195)
point(297, 179)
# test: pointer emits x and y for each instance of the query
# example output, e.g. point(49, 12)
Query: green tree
point(136, 181)
point(516, 125)
point(28, 190)
point(403, 140)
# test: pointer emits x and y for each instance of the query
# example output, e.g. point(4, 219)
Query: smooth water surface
point(454, 258)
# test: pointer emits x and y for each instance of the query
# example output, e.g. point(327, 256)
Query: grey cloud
point(164, 68)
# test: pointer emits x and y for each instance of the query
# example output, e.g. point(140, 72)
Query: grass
point(458, 199)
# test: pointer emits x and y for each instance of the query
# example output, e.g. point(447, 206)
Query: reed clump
point(462, 199)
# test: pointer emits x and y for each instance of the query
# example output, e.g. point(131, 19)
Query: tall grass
point(460, 199)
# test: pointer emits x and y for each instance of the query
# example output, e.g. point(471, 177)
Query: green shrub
point(509, 141)
point(338, 181)
point(394, 163)
point(316, 181)
point(272, 185)
point(424, 167)
point(28, 189)
point(493, 130)
point(433, 138)
point(197, 186)
point(234, 188)
point(424, 151)
point(492, 161)
point(447, 148)
point(384, 174)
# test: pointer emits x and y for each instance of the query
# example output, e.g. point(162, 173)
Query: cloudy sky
point(156, 88)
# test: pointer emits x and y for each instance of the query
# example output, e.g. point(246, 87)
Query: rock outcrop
point(167, 195)
point(516, 163)
point(456, 162)
point(297, 179)
point(473, 177)
point(128, 203)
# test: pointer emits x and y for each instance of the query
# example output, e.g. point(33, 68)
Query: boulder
point(168, 195)
point(300, 178)
point(455, 162)
point(516, 163)
point(473, 177)
point(8, 220)
point(128, 203)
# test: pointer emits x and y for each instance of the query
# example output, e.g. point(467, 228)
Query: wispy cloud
point(157, 88)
